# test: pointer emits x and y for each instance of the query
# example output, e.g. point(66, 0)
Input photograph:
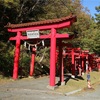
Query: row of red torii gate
point(32, 29)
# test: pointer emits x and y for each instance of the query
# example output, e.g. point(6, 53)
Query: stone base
point(52, 87)
point(82, 73)
point(62, 83)
point(30, 76)
point(13, 79)
point(72, 76)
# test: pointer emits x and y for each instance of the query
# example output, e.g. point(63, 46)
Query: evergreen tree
point(98, 16)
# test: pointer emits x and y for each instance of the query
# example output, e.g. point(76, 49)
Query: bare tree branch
point(21, 9)
point(33, 6)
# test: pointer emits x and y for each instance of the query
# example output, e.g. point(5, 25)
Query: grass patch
point(73, 84)
point(4, 79)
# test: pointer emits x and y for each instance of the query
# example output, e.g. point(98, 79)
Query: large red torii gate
point(51, 25)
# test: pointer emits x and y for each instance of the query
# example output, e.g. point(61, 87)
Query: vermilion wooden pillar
point(53, 57)
point(62, 72)
point(16, 56)
point(61, 67)
point(32, 62)
point(73, 62)
point(82, 62)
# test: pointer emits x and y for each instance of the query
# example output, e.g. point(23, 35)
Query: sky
point(91, 4)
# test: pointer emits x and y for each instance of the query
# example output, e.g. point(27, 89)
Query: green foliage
point(6, 59)
point(97, 37)
point(98, 16)
point(96, 47)
point(20, 11)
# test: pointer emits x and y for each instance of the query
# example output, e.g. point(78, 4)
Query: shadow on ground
point(69, 77)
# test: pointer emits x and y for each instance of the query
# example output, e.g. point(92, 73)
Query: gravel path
point(35, 89)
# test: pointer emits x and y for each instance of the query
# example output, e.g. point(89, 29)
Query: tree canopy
point(21, 11)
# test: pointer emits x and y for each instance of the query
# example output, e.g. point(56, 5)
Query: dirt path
point(36, 89)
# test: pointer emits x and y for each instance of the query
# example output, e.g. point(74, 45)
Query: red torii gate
point(51, 25)
point(73, 53)
point(76, 54)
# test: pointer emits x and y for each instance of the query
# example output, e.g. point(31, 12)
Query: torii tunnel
point(78, 59)
point(81, 60)
point(53, 36)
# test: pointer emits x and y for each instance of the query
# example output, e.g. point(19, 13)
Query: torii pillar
point(32, 62)
point(53, 58)
point(61, 66)
point(16, 56)
point(73, 62)
point(82, 62)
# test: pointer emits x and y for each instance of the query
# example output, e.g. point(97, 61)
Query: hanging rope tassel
point(42, 56)
point(42, 42)
point(41, 59)
point(35, 46)
point(24, 44)
point(29, 47)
